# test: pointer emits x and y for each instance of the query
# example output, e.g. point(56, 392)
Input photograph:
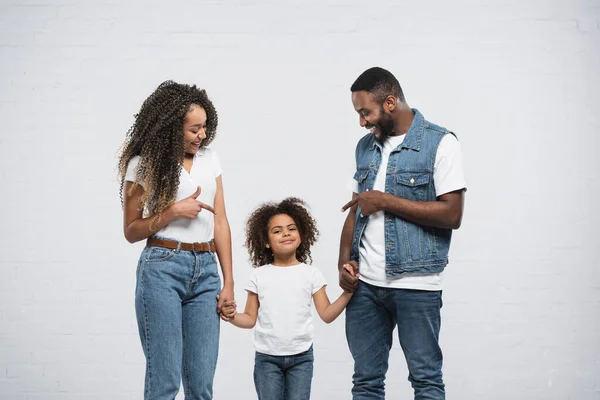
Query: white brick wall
point(518, 82)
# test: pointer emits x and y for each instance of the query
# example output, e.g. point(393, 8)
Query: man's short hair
point(379, 82)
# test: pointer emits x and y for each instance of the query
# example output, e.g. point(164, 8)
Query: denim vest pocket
point(361, 177)
point(412, 185)
point(157, 254)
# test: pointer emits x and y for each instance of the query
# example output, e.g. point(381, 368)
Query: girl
point(172, 193)
point(279, 237)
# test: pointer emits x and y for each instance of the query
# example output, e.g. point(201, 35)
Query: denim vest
point(408, 247)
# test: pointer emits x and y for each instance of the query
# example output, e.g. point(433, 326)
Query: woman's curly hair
point(258, 224)
point(157, 137)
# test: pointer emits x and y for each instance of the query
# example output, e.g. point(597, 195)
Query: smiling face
point(373, 115)
point(283, 235)
point(194, 129)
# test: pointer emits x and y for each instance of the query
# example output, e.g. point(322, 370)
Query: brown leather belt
point(173, 244)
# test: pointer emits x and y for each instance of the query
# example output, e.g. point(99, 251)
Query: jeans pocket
point(157, 254)
point(138, 271)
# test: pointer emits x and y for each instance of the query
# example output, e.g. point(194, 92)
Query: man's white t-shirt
point(205, 169)
point(448, 176)
point(284, 324)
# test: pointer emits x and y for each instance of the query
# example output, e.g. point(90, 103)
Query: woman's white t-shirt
point(284, 324)
point(205, 169)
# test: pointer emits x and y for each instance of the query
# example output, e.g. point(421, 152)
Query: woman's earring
point(268, 246)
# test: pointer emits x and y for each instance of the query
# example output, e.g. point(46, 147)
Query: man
point(408, 197)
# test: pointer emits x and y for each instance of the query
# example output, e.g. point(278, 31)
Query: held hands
point(190, 206)
point(369, 202)
point(226, 309)
point(349, 276)
point(225, 297)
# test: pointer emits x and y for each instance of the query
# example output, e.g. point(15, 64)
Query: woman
point(172, 196)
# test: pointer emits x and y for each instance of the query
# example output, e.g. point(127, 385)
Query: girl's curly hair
point(157, 137)
point(258, 224)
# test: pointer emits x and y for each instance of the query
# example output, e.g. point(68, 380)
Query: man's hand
point(349, 276)
point(369, 202)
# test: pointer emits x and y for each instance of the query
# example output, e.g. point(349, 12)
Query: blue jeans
point(283, 377)
point(176, 309)
point(371, 317)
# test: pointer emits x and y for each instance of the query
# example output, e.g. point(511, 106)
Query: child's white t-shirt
point(205, 169)
point(284, 324)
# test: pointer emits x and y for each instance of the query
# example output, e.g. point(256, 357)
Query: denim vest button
point(412, 180)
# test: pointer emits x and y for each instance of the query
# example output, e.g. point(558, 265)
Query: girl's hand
point(225, 297)
point(226, 308)
point(229, 310)
point(349, 276)
point(190, 206)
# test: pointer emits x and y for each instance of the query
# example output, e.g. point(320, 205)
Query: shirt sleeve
point(252, 285)
point(216, 164)
point(131, 167)
point(448, 171)
point(318, 280)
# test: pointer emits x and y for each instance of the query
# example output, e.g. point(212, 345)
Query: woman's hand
point(190, 206)
point(225, 297)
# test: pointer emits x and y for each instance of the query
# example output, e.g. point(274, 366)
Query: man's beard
point(385, 126)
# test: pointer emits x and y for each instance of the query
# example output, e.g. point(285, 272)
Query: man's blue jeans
point(176, 308)
point(283, 377)
point(371, 317)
